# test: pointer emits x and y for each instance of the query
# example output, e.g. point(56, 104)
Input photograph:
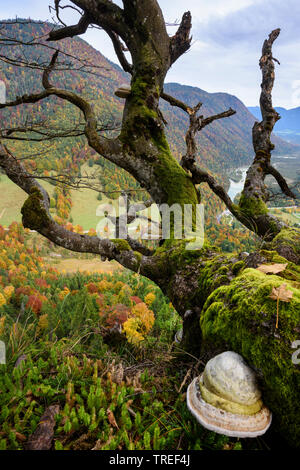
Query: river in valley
point(287, 164)
point(235, 188)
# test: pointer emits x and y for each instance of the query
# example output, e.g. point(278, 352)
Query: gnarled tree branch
point(197, 123)
point(177, 103)
point(70, 31)
point(104, 13)
point(280, 180)
point(119, 50)
point(181, 41)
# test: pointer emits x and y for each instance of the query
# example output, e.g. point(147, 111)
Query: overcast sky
point(227, 41)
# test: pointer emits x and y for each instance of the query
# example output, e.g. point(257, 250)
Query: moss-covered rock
point(287, 244)
point(241, 317)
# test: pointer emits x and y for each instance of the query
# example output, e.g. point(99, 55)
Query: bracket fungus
point(124, 91)
point(225, 398)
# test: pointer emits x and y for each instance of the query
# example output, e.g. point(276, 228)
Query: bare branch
point(70, 31)
point(137, 246)
point(261, 132)
point(281, 181)
point(26, 99)
point(48, 70)
point(200, 176)
point(197, 123)
point(104, 13)
point(119, 50)
point(188, 162)
point(109, 148)
point(181, 42)
point(48, 132)
point(270, 116)
point(205, 122)
point(177, 103)
point(58, 7)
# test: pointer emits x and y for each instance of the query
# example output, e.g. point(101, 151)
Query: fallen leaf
point(272, 268)
point(281, 293)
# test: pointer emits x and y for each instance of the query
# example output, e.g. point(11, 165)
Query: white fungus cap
point(230, 385)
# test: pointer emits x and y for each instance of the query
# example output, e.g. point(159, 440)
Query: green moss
point(177, 183)
point(174, 253)
point(238, 266)
point(272, 256)
point(223, 269)
point(262, 154)
point(121, 245)
point(138, 257)
point(203, 268)
point(242, 317)
point(141, 120)
point(34, 215)
point(139, 88)
point(289, 237)
point(216, 271)
point(252, 206)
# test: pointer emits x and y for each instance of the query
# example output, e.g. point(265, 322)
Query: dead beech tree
point(222, 293)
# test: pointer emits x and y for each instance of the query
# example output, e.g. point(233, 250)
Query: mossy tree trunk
point(223, 300)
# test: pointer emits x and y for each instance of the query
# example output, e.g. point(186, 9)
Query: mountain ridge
point(288, 127)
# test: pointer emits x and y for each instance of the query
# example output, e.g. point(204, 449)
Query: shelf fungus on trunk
point(124, 91)
point(225, 398)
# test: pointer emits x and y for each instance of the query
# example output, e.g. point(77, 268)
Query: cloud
point(253, 22)
point(228, 45)
point(201, 10)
